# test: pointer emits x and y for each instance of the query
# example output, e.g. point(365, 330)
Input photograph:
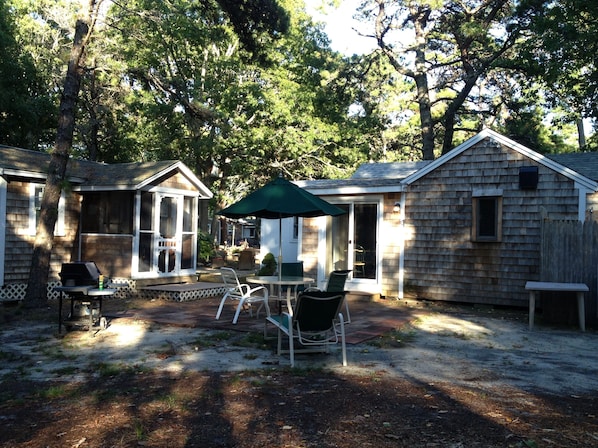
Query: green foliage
point(525, 126)
point(27, 111)
point(242, 91)
point(561, 52)
point(268, 265)
point(205, 246)
point(256, 21)
point(460, 60)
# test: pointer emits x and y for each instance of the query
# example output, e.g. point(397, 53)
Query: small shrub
point(205, 247)
point(268, 265)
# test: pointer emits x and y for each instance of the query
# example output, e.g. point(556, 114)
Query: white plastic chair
point(241, 292)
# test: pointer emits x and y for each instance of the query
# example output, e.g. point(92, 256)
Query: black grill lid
point(81, 273)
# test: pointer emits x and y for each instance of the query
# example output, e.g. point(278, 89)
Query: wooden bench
point(579, 288)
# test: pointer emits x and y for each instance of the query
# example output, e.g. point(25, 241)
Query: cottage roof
point(392, 177)
point(585, 163)
point(392, 170)
point(349, 186)
point(88, 175)
point(368, 178)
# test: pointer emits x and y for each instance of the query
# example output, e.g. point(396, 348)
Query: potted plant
point(268, 265)
point(218, 258)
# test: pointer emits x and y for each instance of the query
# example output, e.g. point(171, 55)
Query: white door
point(166, 226)
point(167, 259)
point(352, 242)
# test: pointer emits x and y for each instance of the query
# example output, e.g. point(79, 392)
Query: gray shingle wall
point(441, 261)
point(19, 244)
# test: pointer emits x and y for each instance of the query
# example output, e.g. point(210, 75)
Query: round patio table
point(275, 280)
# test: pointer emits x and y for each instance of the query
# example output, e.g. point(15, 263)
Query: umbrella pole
point(279, 248)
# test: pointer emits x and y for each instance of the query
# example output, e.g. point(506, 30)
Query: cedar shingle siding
point(441, 260)
point(19, 243)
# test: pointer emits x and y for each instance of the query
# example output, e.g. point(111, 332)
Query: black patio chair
point(336, 283)
point(316, 324)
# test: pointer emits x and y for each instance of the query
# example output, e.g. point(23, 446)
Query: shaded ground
point(446, 378)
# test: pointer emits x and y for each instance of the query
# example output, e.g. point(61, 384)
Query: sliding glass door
point(352, 240)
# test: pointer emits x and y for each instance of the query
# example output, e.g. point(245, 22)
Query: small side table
point(579, 288)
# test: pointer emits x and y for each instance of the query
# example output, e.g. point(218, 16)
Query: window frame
point(107, 213)
point(477, 218)
point(36, 192)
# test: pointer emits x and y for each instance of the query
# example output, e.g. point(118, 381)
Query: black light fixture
point(528, 177)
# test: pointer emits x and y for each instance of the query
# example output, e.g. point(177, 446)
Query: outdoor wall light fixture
point(397, 207)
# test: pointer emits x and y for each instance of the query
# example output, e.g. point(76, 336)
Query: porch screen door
point(167, 233)
point(167, 241)
point(351, 240)
point(146, 232)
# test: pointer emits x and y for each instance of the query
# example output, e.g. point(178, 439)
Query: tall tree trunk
point(36, 294)
point(451, 111)
point(420, 76)
point(425, 116)
point(581, 134)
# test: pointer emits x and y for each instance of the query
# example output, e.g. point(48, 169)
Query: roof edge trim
point(178, 165)
point(488, 133)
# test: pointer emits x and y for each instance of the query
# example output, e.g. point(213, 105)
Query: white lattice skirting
point(16, 291)
point(127, 288)
point(182, 292)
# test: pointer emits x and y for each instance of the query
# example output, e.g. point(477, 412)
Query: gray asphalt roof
point(585, 163)
point(391, 170)
point(369, 175)
point(90, 173)
point(381, 174)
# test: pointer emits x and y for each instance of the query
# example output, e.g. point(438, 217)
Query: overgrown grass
point(397, 337)
point(67, 370)
point(254, 340)
point(55, 391)
point(140, 432)
point(10, 356)
point(106, 370)
point(212, 340)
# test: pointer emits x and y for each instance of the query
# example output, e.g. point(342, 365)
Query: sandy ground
point(461, 347)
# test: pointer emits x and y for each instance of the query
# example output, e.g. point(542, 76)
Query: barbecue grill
point(80, 282)
point(82, 273)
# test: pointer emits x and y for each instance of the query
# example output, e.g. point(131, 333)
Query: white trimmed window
point(486, 216)
point(36, 192)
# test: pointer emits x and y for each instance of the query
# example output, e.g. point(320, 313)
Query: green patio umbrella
point(279, 199)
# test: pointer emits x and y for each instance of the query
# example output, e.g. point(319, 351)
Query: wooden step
point(182, 292)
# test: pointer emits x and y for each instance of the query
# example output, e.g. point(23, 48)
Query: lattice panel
point(13, 291)
point(182, 296)
point(16, 291)
point(125, 288)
